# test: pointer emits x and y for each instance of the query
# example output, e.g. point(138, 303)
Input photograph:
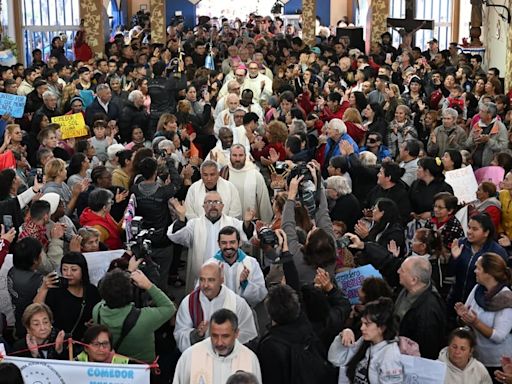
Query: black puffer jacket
point(131, 116)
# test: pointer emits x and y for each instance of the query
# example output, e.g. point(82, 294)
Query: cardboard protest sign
point(350, 281)
point(71, 125)
point(464, 183)
point(97, 263)
point(12, 104)
point(78, 372)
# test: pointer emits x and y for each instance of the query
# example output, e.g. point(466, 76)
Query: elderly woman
point(38, 321)
point(100, 347)
point(48, 139)
point(488, 203)
point(462, 367)
point(91, 240)
point(343, 205)
point(73, 302)
point(97, 215)
point(447, 136)
point(56, 174)
point(488, 310)
point(133, 114)
point(16, 138)
point(401, 128)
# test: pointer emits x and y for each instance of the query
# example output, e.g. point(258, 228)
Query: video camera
point(141, 244)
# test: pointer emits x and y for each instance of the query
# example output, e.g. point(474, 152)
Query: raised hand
point(75, 245)
point(120, 196)
point(347, 337)
point(456, 249)
point(179, 208)
point(393, 248)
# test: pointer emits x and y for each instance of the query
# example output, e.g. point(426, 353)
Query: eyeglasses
point(372, 141)
point(213, 202)
point(105, 345)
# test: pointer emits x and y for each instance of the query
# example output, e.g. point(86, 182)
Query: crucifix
point(409, 26)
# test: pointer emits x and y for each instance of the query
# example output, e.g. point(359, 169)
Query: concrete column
point(309, 21)
point(92, 13)
point(158, 24)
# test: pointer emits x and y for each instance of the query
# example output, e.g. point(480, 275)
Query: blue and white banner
point(37, 371)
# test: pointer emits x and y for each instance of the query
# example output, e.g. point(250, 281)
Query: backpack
point(307, 365)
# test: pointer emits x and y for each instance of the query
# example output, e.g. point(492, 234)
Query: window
point(43, 20)
point(233, 8)
point(438, 10)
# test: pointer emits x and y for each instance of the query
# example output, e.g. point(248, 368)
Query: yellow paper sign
point(71, 125)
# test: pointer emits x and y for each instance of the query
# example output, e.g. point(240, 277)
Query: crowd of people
point(248, 168)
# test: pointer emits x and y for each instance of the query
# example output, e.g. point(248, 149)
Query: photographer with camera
point(319, 251)
point(152, 203)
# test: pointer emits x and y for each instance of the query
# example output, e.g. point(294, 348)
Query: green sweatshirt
point(139, 343)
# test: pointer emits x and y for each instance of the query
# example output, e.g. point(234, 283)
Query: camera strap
point(129, 322)
point(82, 308)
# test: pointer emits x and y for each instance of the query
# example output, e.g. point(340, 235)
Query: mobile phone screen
point(7, 219)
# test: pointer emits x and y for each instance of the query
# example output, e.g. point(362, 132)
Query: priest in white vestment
point(249, 182)
point(215, 359)
point(200, 235)
point(211, 181)
point(192, 325)
point(242, 273)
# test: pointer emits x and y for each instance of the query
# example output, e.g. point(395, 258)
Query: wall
point(323, 9)
point(496, 46)
point(188, 10)
point(134, 6)
point(339, 9)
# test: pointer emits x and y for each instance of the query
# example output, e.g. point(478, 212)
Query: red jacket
point(326, 115)
point(92, 219)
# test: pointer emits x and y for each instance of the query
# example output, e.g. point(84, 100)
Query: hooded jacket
point(474, 373)
point(109, 229)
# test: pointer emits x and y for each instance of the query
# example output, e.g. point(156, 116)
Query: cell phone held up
point(39, 175)
point(59, 281)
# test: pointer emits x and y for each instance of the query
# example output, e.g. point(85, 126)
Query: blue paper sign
point(12, 104)
point(350, 281)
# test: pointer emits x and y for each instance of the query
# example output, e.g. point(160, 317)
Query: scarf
point(494, 300)
point(242, 263)
point(31, 229)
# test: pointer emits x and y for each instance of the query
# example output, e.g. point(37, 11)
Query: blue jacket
point(383, 153)
point(337, 152)
point(464, 269)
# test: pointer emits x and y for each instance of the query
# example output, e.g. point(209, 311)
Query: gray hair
point(450, 112)
point(421, 269)
point(489, 107)
point(338, 125)
point(134, 94)
point(208, 163)
point(368, 158)
point(166, 144)
point(102, 87)
point(339, 184)
point(298, 126)
point(231, 84)
point(48, 94)
point(241, 146)
point(114, 79)
point(88, 233)
point(113, 150)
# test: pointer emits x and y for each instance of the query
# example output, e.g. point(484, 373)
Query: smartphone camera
point(39, 175)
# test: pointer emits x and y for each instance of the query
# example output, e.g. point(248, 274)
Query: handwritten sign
point(12, 104)
point(464, 183)
point(73, 372)
point(350, 281)
point(71, 125)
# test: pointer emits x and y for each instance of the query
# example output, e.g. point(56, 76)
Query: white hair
point(48, 94)
point(338, 125)
point(166, 144)
point(368, 158)
point(102, 87)
point(134, 94)
point(339, 184)
point(113, 149)
point(298, 126)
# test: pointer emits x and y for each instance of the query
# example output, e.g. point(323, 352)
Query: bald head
point(211, 279)
point(415, 273)
point(233, 102)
